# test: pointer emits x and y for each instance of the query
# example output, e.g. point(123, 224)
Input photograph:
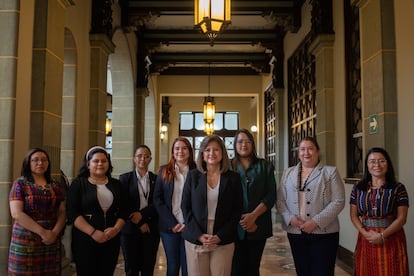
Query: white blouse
point(178, 193)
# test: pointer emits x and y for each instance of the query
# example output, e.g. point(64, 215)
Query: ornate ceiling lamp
point(209, 110)
point(211, 16)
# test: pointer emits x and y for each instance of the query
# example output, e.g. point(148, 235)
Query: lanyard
point(141, 188)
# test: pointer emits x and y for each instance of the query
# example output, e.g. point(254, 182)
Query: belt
point(377, 223)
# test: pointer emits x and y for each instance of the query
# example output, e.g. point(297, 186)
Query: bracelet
point(93, 232)
point(382, 237)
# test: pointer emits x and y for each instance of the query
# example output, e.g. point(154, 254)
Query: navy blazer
point(228, 212)
point(129, 184)
point(163, 202)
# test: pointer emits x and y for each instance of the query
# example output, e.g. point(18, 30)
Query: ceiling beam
point(225, 37)
point(187, 6)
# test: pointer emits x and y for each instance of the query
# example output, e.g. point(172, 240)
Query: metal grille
point(301, 98)
point(353, 92)
point(271, 121)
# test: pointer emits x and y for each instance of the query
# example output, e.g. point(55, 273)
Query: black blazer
point(163, 202)
point(129, 184)
point(82, 201)
point(228, 212)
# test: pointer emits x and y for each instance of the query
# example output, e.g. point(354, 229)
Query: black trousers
point(247, 257)
point(92, 258)
point(140, 253)
point(314, 254)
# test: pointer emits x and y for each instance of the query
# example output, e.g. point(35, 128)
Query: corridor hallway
point(276, 260)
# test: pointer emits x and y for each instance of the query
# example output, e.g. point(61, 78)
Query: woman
point(378, 209)
point(37, 207)
point(259, 195)
point(310, 198)
point(140, 237)
point(167, 200)
point(95, 207)
point(211, 204)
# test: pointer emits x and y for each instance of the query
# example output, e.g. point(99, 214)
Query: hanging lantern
point(208, 128)
point(211, 16)
point(209, 109)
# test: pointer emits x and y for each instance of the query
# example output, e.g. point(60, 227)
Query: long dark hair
point(168, 170)
point(390, 179)
point(253, 156)
point(224, 163)
point(26, 171)
point(84, 169)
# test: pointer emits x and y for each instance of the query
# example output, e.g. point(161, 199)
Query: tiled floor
point(276, 260)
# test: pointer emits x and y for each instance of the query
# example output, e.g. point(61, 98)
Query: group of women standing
point(311, 196)
point(212, 214)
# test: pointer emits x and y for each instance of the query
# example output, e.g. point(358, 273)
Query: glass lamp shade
point(209, 128)
point(209, 109)
point(212, 15)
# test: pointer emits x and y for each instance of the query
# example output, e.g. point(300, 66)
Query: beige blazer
point(325, 198)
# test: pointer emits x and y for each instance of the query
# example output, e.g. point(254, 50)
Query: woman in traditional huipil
point(378, 209)
point(37, 206)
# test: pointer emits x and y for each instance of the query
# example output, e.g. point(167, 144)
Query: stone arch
point(123, 104)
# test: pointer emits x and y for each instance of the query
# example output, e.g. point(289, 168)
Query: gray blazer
point(325, 198)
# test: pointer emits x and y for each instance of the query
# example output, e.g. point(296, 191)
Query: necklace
point(101, 181)
point(374, 198)
point(301, 187)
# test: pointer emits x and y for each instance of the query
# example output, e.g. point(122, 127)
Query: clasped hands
point(305, 226)
point(248, 222)
point(373, 237)
point(135, 218)
point(178, 228)
point(104, 236)
point(49, 236)
point(209, 241)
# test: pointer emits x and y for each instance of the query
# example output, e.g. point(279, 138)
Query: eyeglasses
point(377, 161)
point(143, 156)
point(245, 142)
point(39, 160)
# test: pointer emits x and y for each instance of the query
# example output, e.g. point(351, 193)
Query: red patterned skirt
point(387, 259)
point(28, 255)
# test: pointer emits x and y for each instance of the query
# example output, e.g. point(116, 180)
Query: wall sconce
point(163, 134)
point(253, 128)
point(108, 126)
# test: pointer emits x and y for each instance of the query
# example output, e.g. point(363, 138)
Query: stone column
point(47, 79)
point(279, 94)
point(142, 93)
point(378, 62)
point(9, 18)
point(101, 48)
point(322, 49)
